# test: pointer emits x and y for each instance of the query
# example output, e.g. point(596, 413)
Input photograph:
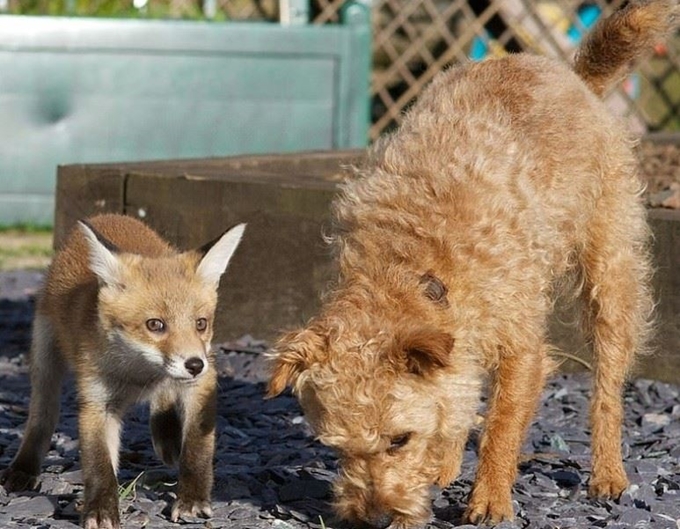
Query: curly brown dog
point(505, 178)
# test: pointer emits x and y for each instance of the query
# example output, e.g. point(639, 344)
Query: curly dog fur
point(505, 178)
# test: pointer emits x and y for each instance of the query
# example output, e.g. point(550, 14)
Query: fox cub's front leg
point(183, 430)
point(99, 430)
point(198, 449)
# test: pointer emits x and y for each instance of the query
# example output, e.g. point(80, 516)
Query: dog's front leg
point(451, 459)
point(99, 430)
point(516, 389)
point(198, 448)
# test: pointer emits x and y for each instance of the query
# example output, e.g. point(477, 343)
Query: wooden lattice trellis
point(415, 39)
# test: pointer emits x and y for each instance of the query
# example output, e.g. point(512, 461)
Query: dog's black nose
point(380, 520)
point(194, 366)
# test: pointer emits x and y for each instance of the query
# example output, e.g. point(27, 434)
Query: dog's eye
point(155, 325)
point(201, 324)
point(398, 441)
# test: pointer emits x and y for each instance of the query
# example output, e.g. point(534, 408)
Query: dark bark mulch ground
point(270, 472)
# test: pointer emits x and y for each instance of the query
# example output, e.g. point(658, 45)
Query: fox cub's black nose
point(194, 366)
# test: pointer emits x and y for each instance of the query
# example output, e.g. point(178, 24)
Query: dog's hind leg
point(618, 306)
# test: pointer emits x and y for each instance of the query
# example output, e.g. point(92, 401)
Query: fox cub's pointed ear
point(218, 253)
point(292, 355)
point(104, 262)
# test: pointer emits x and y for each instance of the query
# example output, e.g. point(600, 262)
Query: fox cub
point(133, 318)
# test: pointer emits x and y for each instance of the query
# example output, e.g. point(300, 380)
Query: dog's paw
point(13, 480)
point(610, 485)
point(489, 508)
point(190, 508)
point(447, 473)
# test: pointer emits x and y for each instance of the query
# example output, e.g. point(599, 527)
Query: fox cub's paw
point(191, 508)
point(101, 520)
point(102, 515)
point(14, 480)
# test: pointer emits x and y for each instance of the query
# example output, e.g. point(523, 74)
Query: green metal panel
point(102, 90)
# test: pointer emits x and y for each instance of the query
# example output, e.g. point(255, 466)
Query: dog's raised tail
point(608, 52)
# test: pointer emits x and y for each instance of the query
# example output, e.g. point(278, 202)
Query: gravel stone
point(30, 507)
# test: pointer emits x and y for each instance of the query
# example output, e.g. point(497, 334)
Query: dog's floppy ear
point(291, 356)
point(423, 351)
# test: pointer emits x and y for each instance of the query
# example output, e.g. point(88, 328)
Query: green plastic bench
point(77, 90)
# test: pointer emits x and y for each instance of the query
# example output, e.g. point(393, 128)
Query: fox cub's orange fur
point(505, 178)
point(133, 318)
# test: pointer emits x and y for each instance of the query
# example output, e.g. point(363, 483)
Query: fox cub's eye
point(155, 325)
point(398, 441)
point(201, 324)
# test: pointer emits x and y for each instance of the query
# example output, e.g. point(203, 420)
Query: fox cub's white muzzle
point(188, 369)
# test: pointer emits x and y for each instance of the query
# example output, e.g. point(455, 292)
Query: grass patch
point(25, 227)
point(128, 491)
point(25, 248)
